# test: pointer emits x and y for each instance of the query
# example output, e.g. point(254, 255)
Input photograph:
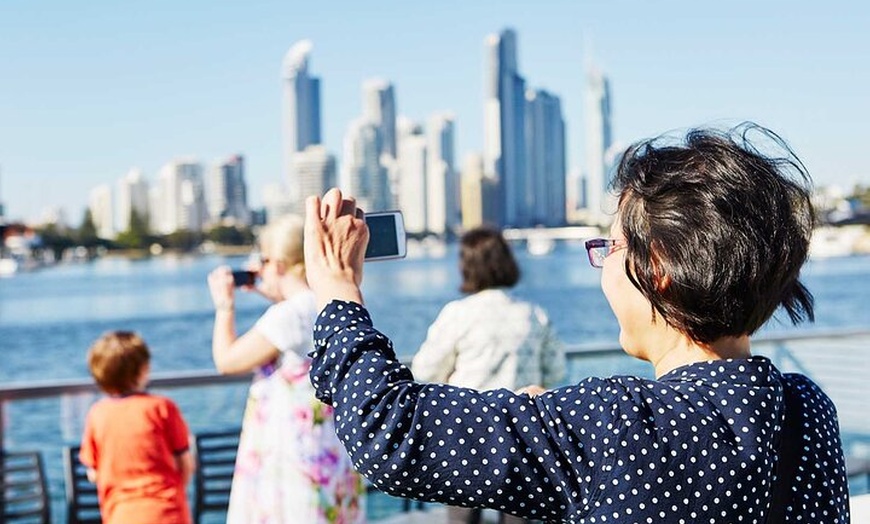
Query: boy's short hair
point(116, 360)
point(486, 261)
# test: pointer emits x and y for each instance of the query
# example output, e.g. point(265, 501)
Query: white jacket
point(490, 340)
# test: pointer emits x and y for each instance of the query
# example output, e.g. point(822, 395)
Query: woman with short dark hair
point(486, 261)
point(709, 239)
point(489, 339)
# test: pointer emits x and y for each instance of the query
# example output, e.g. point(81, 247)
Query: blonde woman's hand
point(220, 284)
point(336, 237)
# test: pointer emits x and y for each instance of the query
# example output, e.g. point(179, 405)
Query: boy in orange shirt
point(135, 444)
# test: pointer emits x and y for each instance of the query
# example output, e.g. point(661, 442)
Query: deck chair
point(24, 497)
point(82, 505)
point(215, 453)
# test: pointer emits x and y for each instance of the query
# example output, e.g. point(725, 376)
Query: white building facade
point(132, 197)
point(100, 206)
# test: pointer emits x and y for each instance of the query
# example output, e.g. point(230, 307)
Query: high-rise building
point(100, 206)
point(227, 193)
point(412, 177)
point(504, 131)
point(156, 207)
point(379, 108)
point(182, 199)
point(301, 110)
point(545, 154)
point(599, 140)
point(276, 202)
point(132, 196)
point(471, 191)
point(316, 170)
point(442, 186)
point(363, 175)
point(2, 220)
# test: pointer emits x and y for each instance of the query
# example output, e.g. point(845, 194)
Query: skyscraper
point(363, 174)
point(441, 180)
point(599, 139)
point(182, 199)
point(471, 191)
point(100, 206)
point(132, 196)
point(227, 192)
point(301, 110)
point(412, 179)
point(504, 131)
point(316, 171)
point(545, 139)
point(379, 108)
point(276, 202)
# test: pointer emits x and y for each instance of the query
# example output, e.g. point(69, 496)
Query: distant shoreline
point(220, 250)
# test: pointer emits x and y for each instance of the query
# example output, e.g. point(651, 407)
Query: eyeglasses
point(600, 248)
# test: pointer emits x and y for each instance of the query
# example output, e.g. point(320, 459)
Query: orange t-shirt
point(132, 442)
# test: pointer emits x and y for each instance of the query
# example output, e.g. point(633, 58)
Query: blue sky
point(90, 89)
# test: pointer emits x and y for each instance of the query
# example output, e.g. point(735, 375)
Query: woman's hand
point(336, 236)
point(532, 390)
point(220, 284)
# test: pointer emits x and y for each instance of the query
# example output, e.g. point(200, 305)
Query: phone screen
point(383, 241)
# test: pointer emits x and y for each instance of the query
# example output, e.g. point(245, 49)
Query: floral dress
point(291, 468)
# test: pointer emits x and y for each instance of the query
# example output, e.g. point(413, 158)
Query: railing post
point(2, 461)
point(2, 426)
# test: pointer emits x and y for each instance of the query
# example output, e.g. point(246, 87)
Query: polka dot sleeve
point(437, 442)
point(699, 444)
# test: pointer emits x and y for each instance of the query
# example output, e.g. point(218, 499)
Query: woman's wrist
point(225, 305)
point(337, 290)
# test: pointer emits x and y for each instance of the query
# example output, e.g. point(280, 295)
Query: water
point(49, 318)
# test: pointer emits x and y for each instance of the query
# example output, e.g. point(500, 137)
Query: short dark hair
point(725, 226)
point(116, 360)
point(486, 261)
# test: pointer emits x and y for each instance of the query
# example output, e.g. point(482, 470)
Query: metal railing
point(33, 390)
point(841, 369)
point(30, 390)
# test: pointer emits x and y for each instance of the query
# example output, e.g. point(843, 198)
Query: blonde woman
point(290, 466)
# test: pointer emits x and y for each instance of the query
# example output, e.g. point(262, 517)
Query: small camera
point(244, 278)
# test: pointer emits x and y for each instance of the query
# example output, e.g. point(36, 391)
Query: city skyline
point(85, 98)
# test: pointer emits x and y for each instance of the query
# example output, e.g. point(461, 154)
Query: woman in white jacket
point(489, 339)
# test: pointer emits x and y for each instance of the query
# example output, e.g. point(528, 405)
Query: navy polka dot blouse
point(696, 445)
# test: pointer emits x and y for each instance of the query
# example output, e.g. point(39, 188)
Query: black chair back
point(24, 495)
point(82, 504)
point(215, 453)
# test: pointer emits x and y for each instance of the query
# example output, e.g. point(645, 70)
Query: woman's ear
point(280, 267)
point(662, 280)
point(298, 270)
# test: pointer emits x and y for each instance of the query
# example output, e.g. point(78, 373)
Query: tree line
point(138, 236)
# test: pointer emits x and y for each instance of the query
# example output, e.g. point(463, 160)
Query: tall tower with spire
point(301, 111)
point(599, 139)
point(504, 131)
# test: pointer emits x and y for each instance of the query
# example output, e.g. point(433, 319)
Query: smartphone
point(386, 235)
point(244, 278)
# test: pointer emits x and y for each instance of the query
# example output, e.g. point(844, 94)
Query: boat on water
point(830, 242)
point(8, 266)
point(540, 245)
